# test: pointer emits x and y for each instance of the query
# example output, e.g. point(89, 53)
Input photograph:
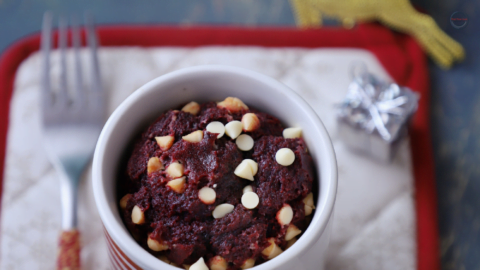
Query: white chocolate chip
point(249, 263)
point(308, 210)
point(253, 165)
point(244, 170)
point(138, 217)
point(216, 127)
point(124, 200)
point(199, 265)
point(285, 215)
point(175, 169)
point(273, 250)
point(308, 200)
point(291, 242)
point(309, 204)
point(165, 142)
point(156, 245)
point(250, 122)
point(292, 231)
point(222, 210)
point(293, 132)
point(247, 189)
point(233, 129)
point(244, 142)
point(194, 137)
point(247, 169)
point(218, 263)
point(232, 104)
point(214, 185)
point(154, 165)
point(192, 107)
point(207, 195)
point(177, 185)
point(285, 157)
point(164, 259)
point(250, 200)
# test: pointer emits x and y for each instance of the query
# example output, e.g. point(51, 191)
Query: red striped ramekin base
point(118, 259)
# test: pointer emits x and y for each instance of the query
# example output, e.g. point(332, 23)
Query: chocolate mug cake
point(217, 186)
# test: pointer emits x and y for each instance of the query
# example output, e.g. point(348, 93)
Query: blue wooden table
point(455, 110)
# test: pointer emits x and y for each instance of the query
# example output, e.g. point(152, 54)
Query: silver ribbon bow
point(373, 104)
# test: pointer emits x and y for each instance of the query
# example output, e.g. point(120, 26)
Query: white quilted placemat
point(374, 218)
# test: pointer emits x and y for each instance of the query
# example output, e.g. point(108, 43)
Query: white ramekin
point(207, 83)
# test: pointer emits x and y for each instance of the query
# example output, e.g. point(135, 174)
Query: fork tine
point(66, 122)
point(92, 44)
point(62, 95)
point(79, 99)
point(46, 45)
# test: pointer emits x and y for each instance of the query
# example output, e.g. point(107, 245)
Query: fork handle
point(69, 250)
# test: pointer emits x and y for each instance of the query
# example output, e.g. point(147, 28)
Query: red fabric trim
point(400, 55)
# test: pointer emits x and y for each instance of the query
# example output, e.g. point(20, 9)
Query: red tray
point(399, 54)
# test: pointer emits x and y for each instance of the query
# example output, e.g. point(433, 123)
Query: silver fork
point(72, 121)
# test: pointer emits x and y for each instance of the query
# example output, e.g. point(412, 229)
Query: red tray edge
point(411, 71)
